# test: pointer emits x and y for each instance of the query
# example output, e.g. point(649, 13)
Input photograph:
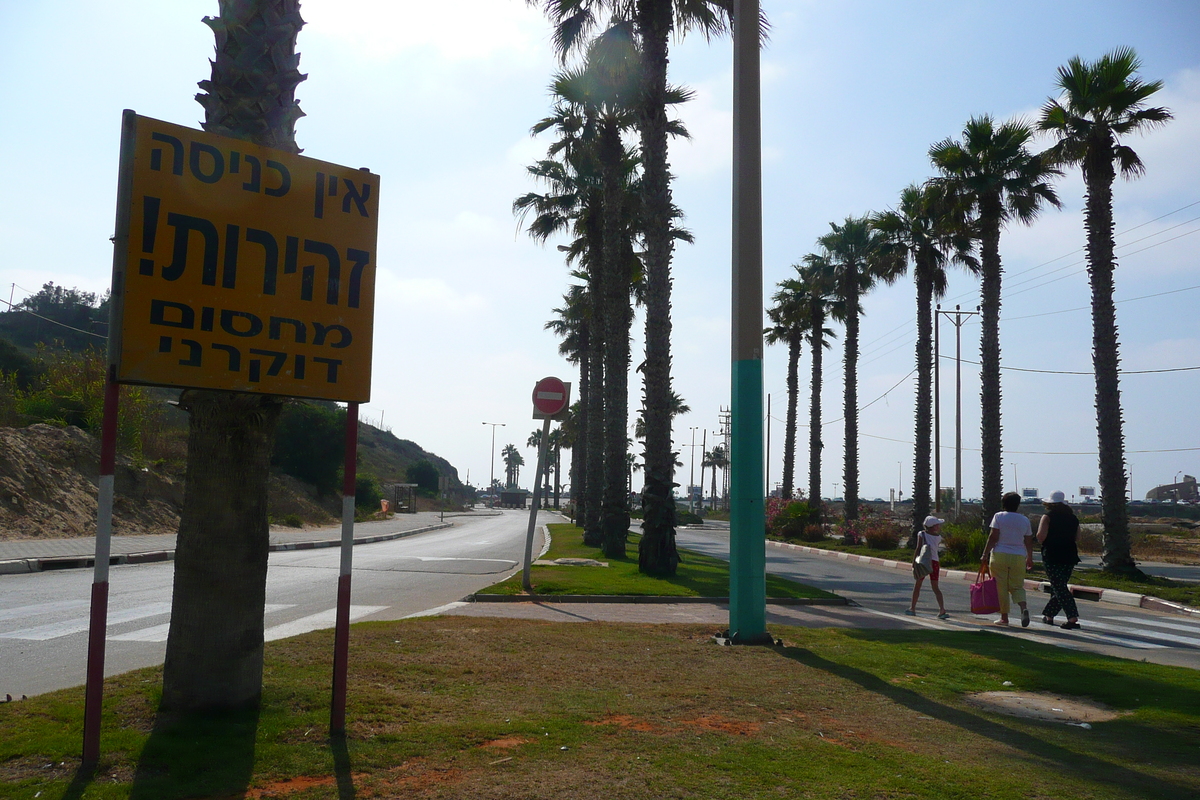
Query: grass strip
point(496, 708)
point(698, 575)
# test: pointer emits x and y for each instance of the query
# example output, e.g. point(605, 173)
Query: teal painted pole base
point(747, 514)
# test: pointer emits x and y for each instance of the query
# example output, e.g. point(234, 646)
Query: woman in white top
point(931, 536)
point(1010, 546)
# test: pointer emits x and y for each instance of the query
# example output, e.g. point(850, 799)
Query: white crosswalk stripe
point(55, 630)
point(21, 612)
point(158, 633)
point(315, 622)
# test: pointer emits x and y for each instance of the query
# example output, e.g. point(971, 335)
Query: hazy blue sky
point(854, 93)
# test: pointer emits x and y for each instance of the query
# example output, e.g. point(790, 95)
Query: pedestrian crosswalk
point(118, 628)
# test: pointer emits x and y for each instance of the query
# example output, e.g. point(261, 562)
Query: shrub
point(310, 442)
point(813, 533)
point(367, 493)
point(293, 521)
point(882, 536)
point(964, 543)
point(685, 517)
point(787, 519)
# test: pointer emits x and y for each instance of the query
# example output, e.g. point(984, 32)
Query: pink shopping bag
point(985, 599)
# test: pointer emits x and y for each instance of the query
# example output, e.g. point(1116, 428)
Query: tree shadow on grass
point(1080, 765)
point(197, 755)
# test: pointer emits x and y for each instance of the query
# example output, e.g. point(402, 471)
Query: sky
point(853, 95)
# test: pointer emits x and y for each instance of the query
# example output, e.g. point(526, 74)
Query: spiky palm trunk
point(214, 649)
point(795, 340)
point(579, 474)
point(657, 554)
point(989, 356)
point(1099, 175)
point(593, 534)
point(615, 512)
point(924, 422)
point(814, 419)
point(850, 395)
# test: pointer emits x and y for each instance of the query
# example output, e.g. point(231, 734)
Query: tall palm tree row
point(1099, 103)
point(860, 261)
point(992, 174)
point(572, 324)
point(214, 652)
point(513, 461)
point(927, 230)
point(823, 303)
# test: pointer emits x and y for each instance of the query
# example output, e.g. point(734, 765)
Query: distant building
point(1185, 492)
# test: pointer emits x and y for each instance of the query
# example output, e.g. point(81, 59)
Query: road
point(44, 616)
point(1115, 630)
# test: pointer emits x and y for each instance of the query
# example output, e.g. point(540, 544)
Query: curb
point(1093, 593)
point(643, 599)
point(25, 565)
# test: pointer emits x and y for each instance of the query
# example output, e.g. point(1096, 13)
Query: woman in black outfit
point(1057, 532)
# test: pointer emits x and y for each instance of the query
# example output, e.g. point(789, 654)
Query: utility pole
point(958, 317)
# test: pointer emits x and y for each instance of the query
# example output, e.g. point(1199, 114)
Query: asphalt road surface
point(44, 615)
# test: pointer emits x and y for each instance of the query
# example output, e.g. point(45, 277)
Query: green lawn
point(481, 708)
point(698, 575)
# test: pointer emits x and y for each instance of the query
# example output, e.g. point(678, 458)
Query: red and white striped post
point(341, 636)
point(98, 623)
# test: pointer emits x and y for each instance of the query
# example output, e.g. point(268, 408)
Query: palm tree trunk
point(922, 448)
point(593, 535)
point(1116, 556)
point(989, 358)
point(579, 473)
point(215, 644)
point(850, 396)
point(814, 422)
point(657, 554)
point(789, 434)
point(615, 510)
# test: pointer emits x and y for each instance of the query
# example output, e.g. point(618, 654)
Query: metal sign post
point(341, 636)
point(239, 268)
point(551, 399)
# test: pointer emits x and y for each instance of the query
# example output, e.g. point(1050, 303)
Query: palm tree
point(215, 643)
point(575, 202)
point(856, 253)
point(717, 459)
point(789, 317)
point(513, 461)
point(820, 282)
point(992, 174)
point(1100, 103)
point(926, 230)
point(573, 325)
point(655, 21)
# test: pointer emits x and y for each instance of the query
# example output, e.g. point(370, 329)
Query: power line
point(1067, 372)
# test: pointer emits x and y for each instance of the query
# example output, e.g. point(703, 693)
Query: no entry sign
point(550, 398)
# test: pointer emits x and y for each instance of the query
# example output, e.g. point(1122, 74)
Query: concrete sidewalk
point(1086, 592)
point(35, 555)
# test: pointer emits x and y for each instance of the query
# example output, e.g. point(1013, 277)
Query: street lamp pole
point(492, 461)
point(692, 473)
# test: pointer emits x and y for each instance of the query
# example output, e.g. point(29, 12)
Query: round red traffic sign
point(549, 396)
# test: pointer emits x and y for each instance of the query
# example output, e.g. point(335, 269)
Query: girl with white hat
point(931, 537)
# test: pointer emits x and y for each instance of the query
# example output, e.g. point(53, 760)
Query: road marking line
point(57, 630)
point(315, 622)
point(158, 633)
point(41, 608)
point(1175, 626)
point(1152, 635)
point(433, 612)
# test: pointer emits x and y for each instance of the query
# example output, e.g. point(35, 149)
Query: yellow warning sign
point(244, 268)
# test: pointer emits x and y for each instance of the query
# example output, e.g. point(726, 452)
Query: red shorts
point(933, 570)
